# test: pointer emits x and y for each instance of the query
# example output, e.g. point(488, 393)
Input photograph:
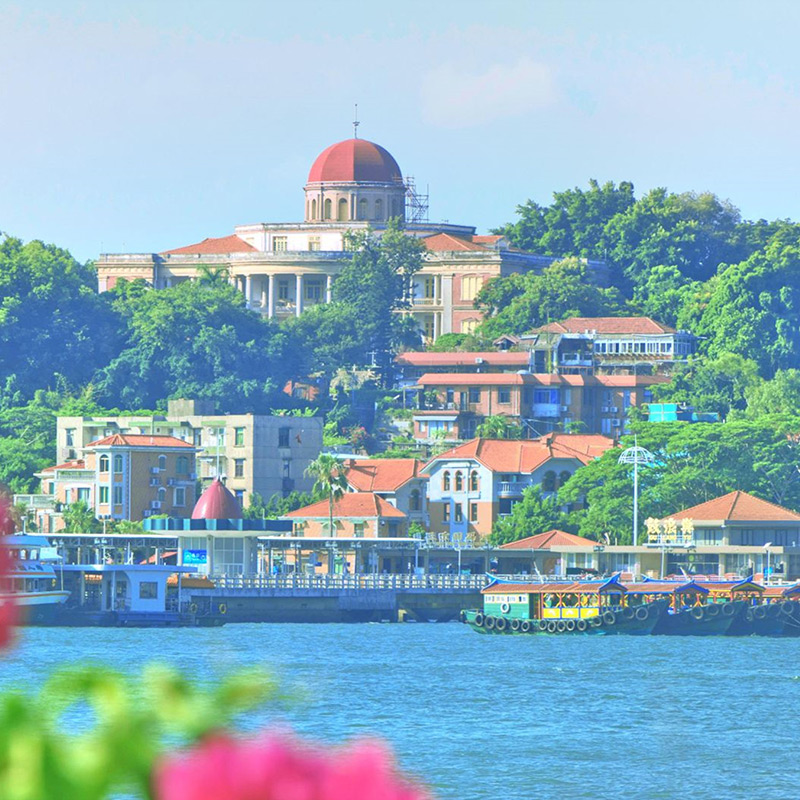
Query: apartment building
point(412, 365)
point(260, 453)
point(452, 405)
point(474, 484)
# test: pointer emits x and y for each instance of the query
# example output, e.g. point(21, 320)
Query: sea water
point(500, 717)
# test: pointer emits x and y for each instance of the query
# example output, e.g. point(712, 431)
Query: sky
point(142, 126)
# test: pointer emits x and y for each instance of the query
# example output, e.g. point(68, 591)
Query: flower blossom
point(277, 766)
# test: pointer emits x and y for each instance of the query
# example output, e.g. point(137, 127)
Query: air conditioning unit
point(565, 408)
point(614, 409)
point(615, 423)
point(155, 504)
point(192, 476)
point(155, 471)
point(147, 512)
point(604, 409)
point(172, 481)
point(155, 482)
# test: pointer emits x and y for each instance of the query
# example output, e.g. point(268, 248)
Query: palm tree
point(329, 479)
point(208, 275)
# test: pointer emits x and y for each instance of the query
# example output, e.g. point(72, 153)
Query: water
point(503, 717)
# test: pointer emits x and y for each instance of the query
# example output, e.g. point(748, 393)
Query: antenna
point(356, 123)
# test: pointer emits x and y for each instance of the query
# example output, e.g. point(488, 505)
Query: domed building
point(284, 268)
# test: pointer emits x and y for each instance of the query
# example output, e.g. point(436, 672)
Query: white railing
point(352, 582)
point(512, 487)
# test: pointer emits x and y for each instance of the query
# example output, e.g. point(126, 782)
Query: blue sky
point(140, 126)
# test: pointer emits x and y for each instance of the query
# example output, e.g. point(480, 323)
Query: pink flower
point(277, 766)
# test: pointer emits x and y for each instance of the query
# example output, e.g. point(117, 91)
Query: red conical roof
point(355, 160)
point(217, 502)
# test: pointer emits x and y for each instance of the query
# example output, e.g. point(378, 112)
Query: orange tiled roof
point(620, 325)
point(525, 456)
point(502, 358)
point(541, 379)
point(352, 504)
point(737, 506)
point(544, 541)
point(76, 464)
point(219, 246)
point(472, 378)
point(381, 474)
point(447, 243)
point(139, 440)
point(492, 238)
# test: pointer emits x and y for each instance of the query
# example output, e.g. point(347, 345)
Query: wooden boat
point(689, 611)
point(561, 607)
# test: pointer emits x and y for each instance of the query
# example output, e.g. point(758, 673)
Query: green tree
point(329, 481)
point(781, 395)
point(563, 289)
point(533, 514)
point(196, 340)
point(79, 518)
point(498, 427)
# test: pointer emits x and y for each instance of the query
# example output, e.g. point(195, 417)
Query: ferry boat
point(561, 607)
point(33, 585)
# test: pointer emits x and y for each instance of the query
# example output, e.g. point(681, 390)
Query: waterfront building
point(454, 404)
point(354, 185)
point(399, 481)
point(591, 345)
point(255, 453)
point(122, 476)
point(538, 554)
point(474, 484)
point(412, 365)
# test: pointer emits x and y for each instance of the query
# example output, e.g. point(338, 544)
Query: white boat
point(33, 583)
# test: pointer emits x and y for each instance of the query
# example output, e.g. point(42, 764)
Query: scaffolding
point(416, 203)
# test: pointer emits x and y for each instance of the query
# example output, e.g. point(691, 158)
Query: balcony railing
point(39, 501)
point(515, 488)
point(546, 410)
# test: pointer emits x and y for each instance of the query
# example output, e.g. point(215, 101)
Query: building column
point(263, 293)
point(328, 288)
point(298, 299)
point(271, 301)
point(248, 289)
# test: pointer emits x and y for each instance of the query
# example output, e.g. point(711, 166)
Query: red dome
point(355, 160)
point(217, 502)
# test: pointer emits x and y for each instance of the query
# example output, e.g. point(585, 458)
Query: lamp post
point(636, 455)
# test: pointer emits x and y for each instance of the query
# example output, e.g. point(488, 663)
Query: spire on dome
point(217, 502)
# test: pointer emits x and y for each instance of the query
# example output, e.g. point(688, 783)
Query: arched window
point(446, 480)
point(162, 463)
point(379, 209)
point(104, 463)
point(162, 494)
point(549, 481)
point(563, 477)
point(459, 482)
point(328, 208)
point(413, 502)
point(473, 481)
point(314, 208)
point(118, 463)
point(183, 465)
point(362, 208)
point(342, 209)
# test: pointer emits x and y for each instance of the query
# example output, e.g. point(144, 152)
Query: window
point(182, 465)
point(117, 495)
point(429, 287)
point(413, 501)
point(469, 325)
point(314, 244)
point(446, 481)
point(313, 289)
point(180, 496)
point(473, 481)
point(283, 437)
point(162, 463)
point(238, 468)
point(283, 289)
point(549, 481)
point(470, 286)
point(313, 210)
point(474, 395)
point(473, 512)
point(104, 462)
point(238, 437)
point(70, 434)
point(358, 529)
point(328, 208)
point(459, 482)
point(459, 514)
point(229, 555)
point(379, 209)
point(362, 208)
point(162, 494)
point(148, 590)
point(563, 477)
point(117, 463)
point(287, 467)
point(429, 327)
point(504, 395)
point(342, 210)
point(83, 494)
point(239, 495)
point(280, 244)
point(104, 495)
point(545, 396)
point(68, 496)
point(446, 512)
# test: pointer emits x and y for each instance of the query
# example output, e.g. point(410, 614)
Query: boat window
point(550, 600)
point(570, 600)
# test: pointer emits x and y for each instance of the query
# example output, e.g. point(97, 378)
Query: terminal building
point(284, 268)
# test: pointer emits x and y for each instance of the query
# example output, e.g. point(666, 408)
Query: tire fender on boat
point(627, 613)
point(581, 625)
point(551, 626)
point(569, 625)
point(489, 623)
point(760, 612)
point(642, 613)
point(729, 609)
point(561, 626)
point(515, 624)
point(501, 623)
point(505, 608)
point(698, 612)
point(525, 626)
point(712, 610)
point(479, 619)
point(609, 618)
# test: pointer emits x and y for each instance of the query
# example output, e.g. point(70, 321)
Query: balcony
point(546, 410)
point(511, 488)
point(425, 301)
point(46, 502)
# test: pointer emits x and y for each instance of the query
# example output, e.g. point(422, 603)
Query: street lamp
point(636, 455)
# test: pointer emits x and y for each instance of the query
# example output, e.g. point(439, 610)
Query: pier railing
point(354, 582)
